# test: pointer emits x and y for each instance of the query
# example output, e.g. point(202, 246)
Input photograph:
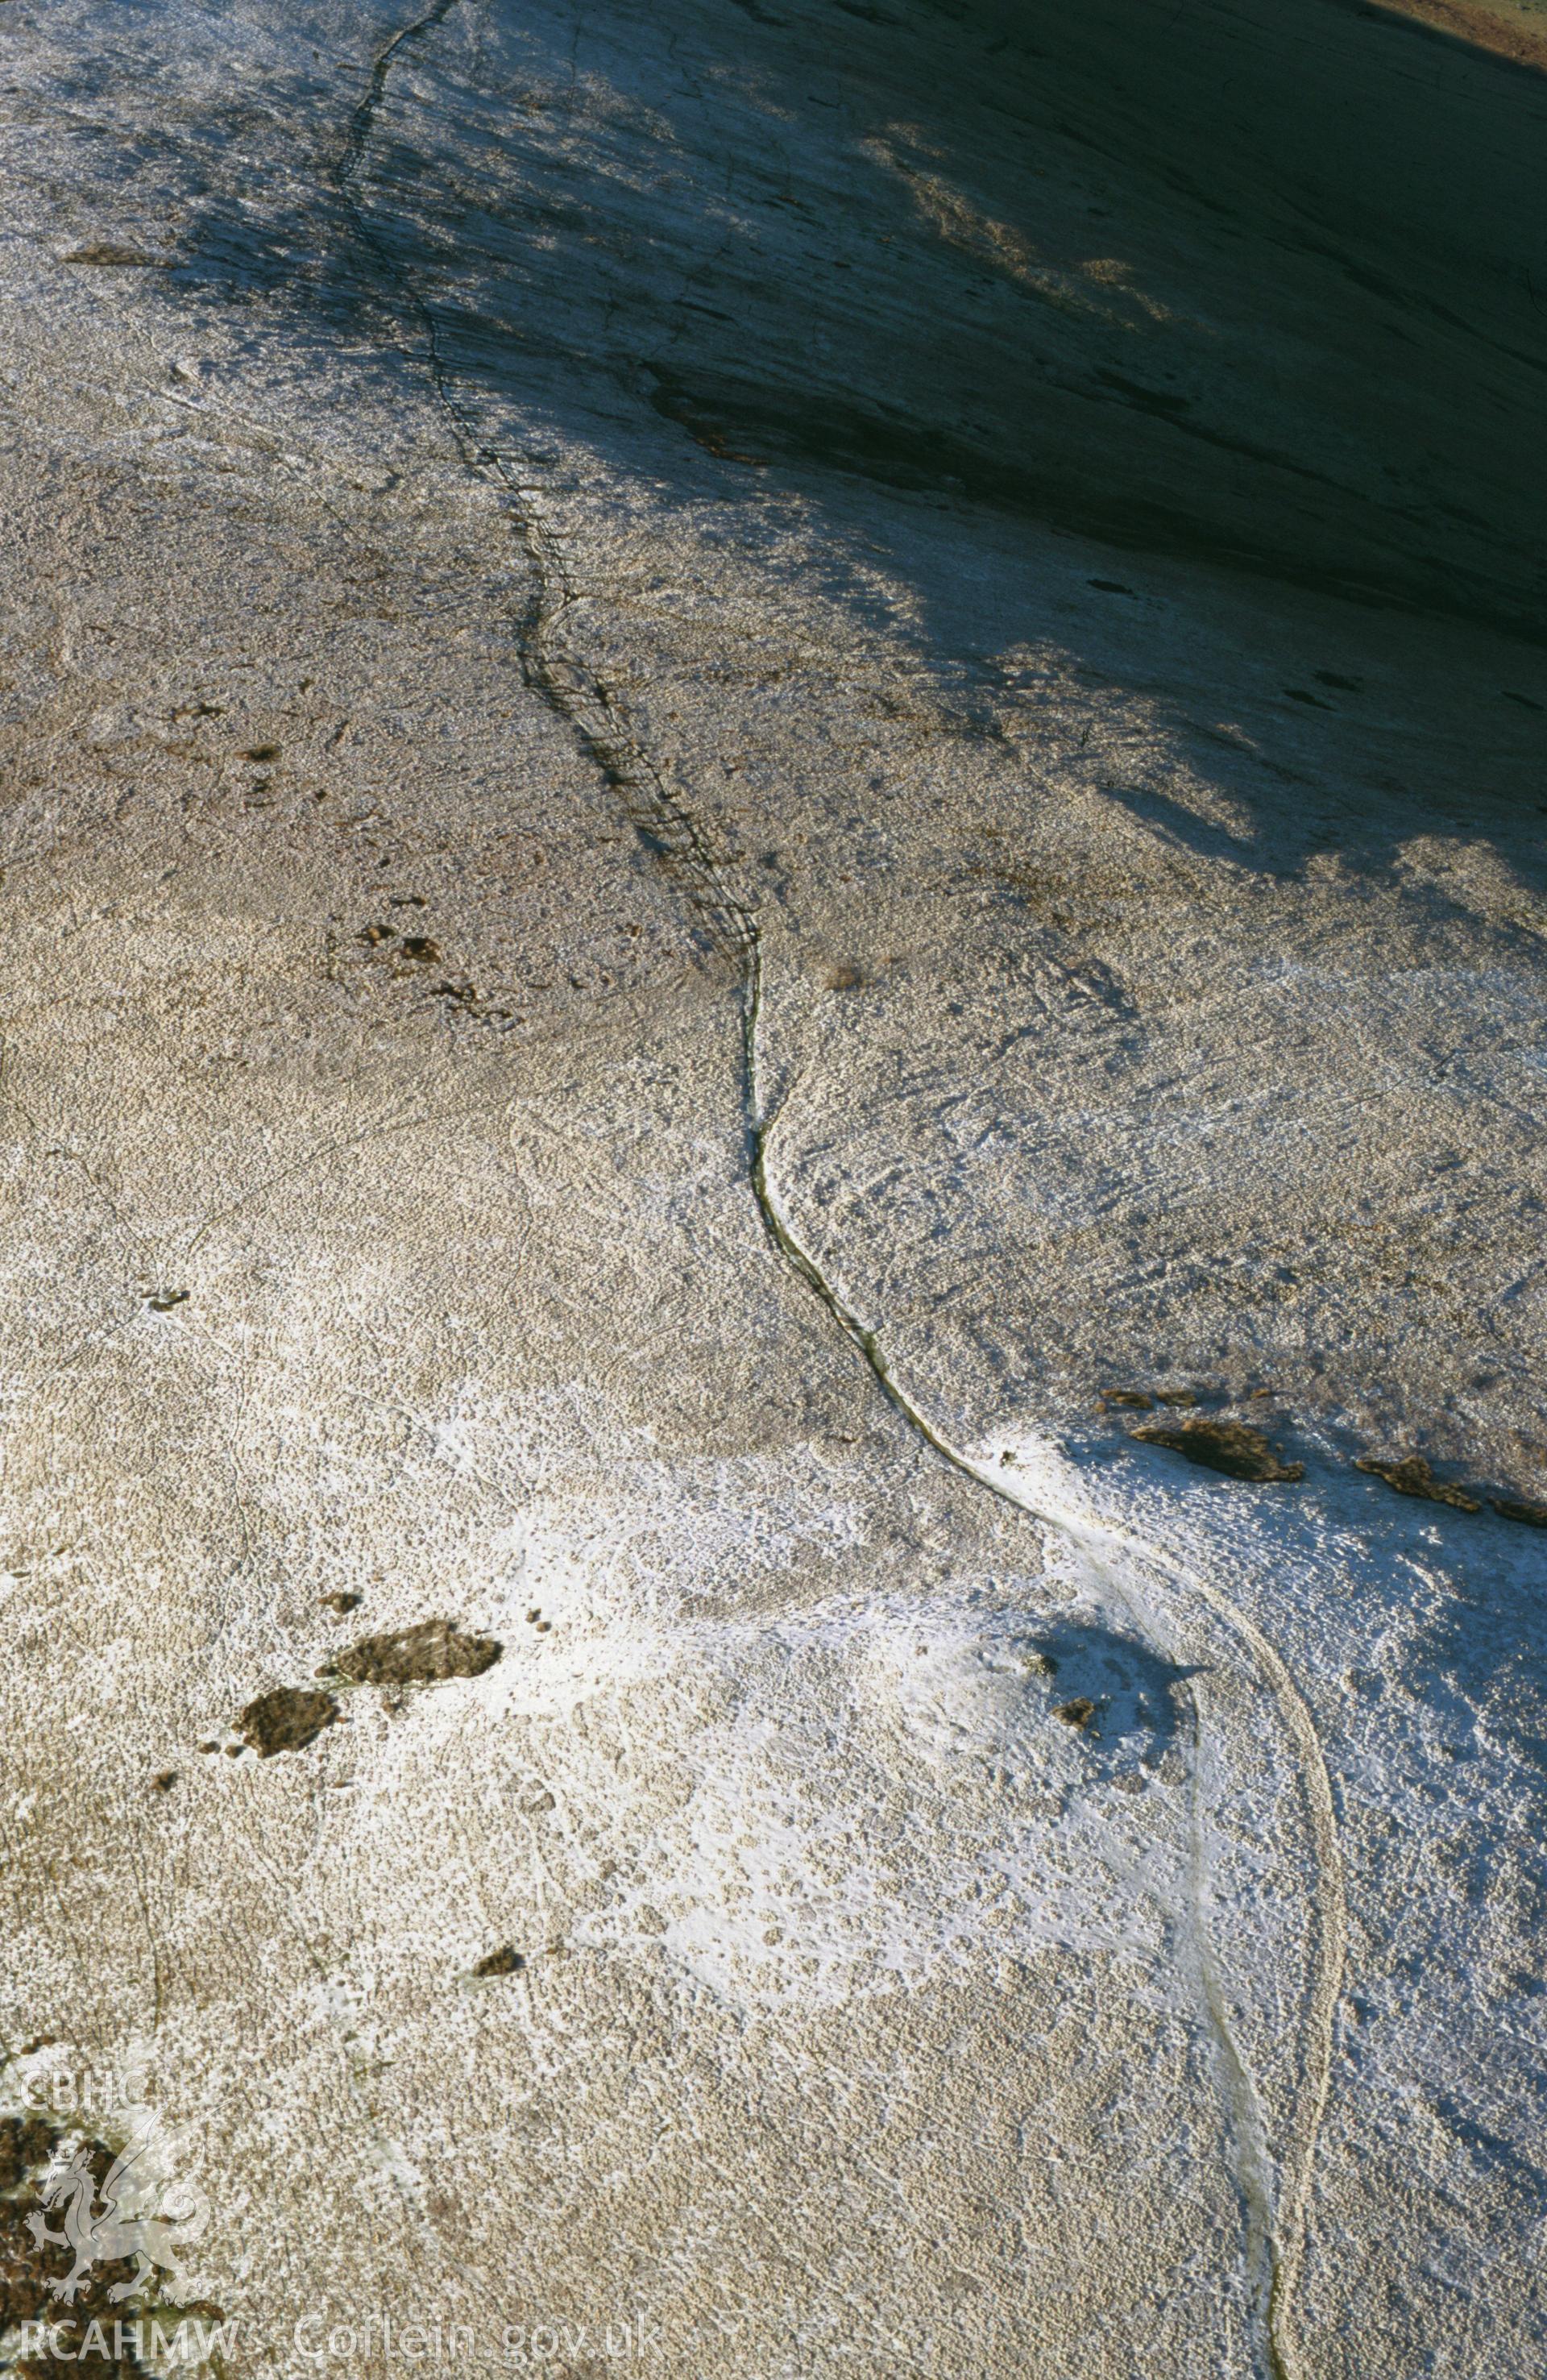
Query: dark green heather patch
point(1232, 1447)
point(112, 252)
point(26, 2142)
point(503, 1961)
point(287, 1720)
point(1410, 1476)
point(1521, 1507)
point(425, 1655)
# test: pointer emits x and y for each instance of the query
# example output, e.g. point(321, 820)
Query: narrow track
point(726, 918)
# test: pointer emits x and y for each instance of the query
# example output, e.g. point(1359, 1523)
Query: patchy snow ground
point(765, 767)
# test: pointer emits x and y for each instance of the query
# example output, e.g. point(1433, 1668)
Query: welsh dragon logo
point(130, 2219)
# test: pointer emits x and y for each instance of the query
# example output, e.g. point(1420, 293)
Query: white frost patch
point(872, 1793)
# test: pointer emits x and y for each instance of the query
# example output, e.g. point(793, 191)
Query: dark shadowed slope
point(1257, 279)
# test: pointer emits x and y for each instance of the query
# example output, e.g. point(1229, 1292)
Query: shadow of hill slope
point(1255, 282)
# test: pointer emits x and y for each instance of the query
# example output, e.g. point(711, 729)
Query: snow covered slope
point(772, 817)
